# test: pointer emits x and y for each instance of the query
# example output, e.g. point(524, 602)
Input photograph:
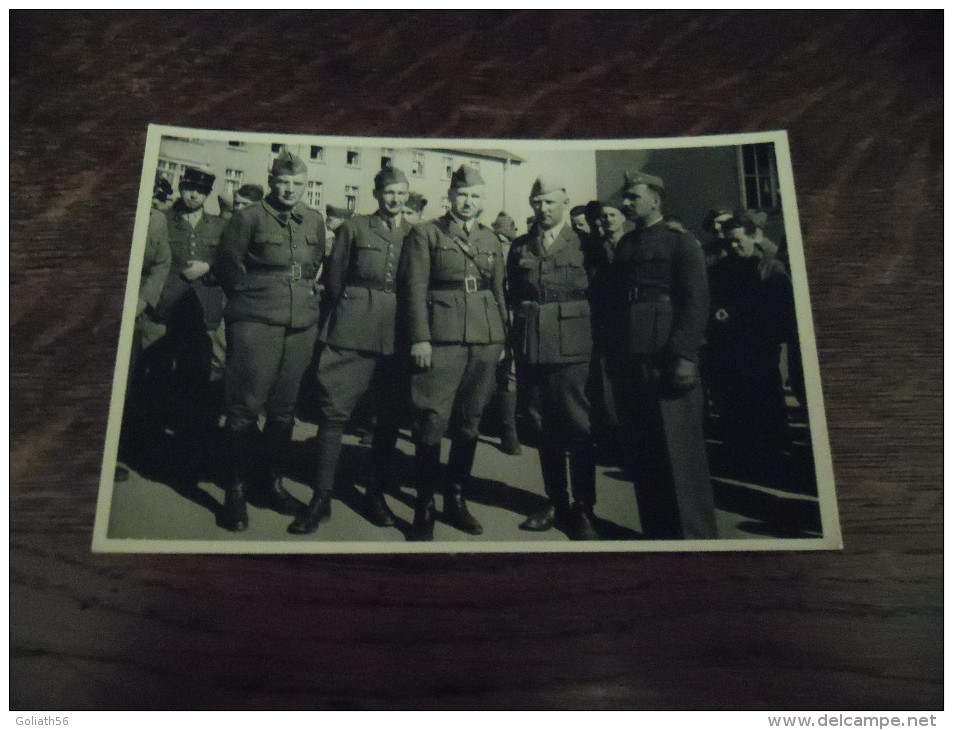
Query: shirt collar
point(553, 233)
point(282, 216)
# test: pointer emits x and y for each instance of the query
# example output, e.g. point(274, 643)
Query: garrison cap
point(643, 178)
point(162, 188)
point(466, 177)
point(198, 178)
point(416, 202)
point(288, 164)
point(504, 225)
point(544, 186)
point(714, 217)
point(335, 212)
point(757, 217)
point(389, 175)
point(251, 192)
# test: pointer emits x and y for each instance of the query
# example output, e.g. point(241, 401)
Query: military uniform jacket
point(433, 280)
point(193, 244)
point(657, 301)
point(547, 290)
point(360, 285)
point(268, 262)
point(156, 261)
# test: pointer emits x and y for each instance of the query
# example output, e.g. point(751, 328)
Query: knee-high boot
point(277, 448)
point(459, 465)
point(427, 465)
point(328, 454)
point(382, 451)
point(243, 445)
point(552, 464)
point(582, 473)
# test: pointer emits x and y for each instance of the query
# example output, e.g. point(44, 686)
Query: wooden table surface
point(862, 97)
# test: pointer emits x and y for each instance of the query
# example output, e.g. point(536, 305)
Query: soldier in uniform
point(414, 208)
point(657, 304)
point(451, 286)
point(191, 304)
point(269, 262)
point(359, 353)
point(552, 342)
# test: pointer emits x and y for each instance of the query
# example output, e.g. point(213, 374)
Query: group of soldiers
point(596, 326)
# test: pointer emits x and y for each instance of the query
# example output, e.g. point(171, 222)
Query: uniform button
point(294, 245)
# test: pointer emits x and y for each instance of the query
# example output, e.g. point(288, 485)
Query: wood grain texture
point(860, 93)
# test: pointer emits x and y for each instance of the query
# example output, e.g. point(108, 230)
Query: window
point(171, 171)
point(448, 168)
point(235, 145)
point(276, 148)
point(233, 181)
point(317, 153)
point(417, 166)
point(353, 157)
point(387, 157)
point(350, 197)
point(759, 176)
point(314, 194)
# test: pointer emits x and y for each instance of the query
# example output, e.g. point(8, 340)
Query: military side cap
point(759, 218)
point(417, 202)
point(466, 177)
point(544, 186)
point(288, 164)
point(643, 178)
point(162, 188)
point(251, 192)
point(334, 212)
point(198, 178)
point(389, 175)
point(504, 225)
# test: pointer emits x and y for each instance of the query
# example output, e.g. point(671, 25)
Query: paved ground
point(159, 502)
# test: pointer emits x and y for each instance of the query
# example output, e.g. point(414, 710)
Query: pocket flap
point(443, 298)
point(356, 292)
point(571, 310)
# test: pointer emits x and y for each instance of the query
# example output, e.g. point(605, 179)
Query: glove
point(683, 375)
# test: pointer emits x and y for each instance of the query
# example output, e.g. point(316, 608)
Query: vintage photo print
point(346, 345)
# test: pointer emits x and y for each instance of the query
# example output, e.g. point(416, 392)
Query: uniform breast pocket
point(368, 260)
point(575, 331)
point(268, 246)
point(447, 262)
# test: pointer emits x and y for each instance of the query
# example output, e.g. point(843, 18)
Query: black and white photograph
point(352, 344)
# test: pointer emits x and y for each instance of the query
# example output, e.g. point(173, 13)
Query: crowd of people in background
point(606, 331)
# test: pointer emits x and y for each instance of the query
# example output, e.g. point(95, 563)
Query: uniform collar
point(295, 213)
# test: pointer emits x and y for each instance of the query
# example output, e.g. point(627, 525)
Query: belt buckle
point(295, 272)
point(470, 284)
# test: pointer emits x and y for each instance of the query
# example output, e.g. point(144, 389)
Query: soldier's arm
point(335, 272)
point(159, 267)
point(689, 298)
point(228, 266)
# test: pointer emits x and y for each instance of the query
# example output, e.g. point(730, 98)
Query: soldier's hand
point(684, 374)
point(421, 353)
point(195, 270)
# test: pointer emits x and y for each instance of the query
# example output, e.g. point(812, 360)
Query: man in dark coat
point(360, 351)
point(451, 287)
point(269, 262)
point(191, 305)
point(657, 303)
point(552, 342)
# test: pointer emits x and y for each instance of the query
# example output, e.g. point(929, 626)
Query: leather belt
point(635, 294)
point(469, 284)
point(561, 295)
point(388, 285)
point(291, 271)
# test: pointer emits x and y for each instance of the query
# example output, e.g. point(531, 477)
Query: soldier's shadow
point(183, 468)
point(770, 515)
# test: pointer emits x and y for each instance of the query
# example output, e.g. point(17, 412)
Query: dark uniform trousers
point(655, 297)
point(552, 343)
point(267, 262)
point(360, 356)
point(191, 311)
point(454, 300)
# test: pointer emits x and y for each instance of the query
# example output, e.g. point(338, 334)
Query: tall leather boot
point(385, 441)
point(243, 446)
point(552, 464)
point(277, 448)
point(459, 465)
point(509, 440)
point(328, 454)
point(582, 473)
point(427, 463)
